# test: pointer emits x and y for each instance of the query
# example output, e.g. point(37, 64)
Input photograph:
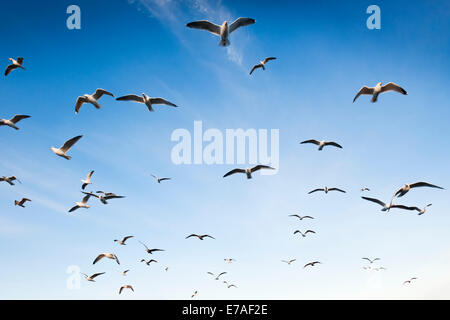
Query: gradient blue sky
point(325, 54)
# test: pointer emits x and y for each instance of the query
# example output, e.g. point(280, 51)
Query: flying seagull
point(301, 217)
point(159, 179)
point(288, 261)
point(371, 260)
point(312, 264)
point(194, 294)
point(91, 278)
point(326, 190)
point(304, 234)
point(322, 143)
point(145, 99)
point(379, 268)
point(62, 151)
point(229, 260)
point(122, 242)
point(149, 261)
point(125, 287)
point(106, 255)
point(410, 280)
point(91, 98)
point(150, 250)
point(14, 65)
point(21, 202)
point(87, 180)
point(9, 180)
point(201, 237)
point(379, 88)
point(216, 277)
point(404, 190)
point(229, 285)
point(81, 204)
point(222, 31)
point(262, 64)
point(12, 122)
point(387, 207)
point(365, 189)
point(103, 196)
point(248, 171)
point(124, 273)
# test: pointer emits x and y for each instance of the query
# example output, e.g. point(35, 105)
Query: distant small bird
point(409, 281)
point(222, 31)
point(389, 206)
point(322, 143)
point(81, 204)
point(9, 180)
point(12, 122)
point(91, 278)
point(149, 261)
point(371, 260)
point(229, 285)
point(194, 294)
point(365, 189)
point(304, 234)
point(289, 261)
point(150, 250)
point(248, 171)
point(379, 268)
point(124, 273)
point(21, 202)
point(122, 242)
point(145, 99)
point(166, 269)
point(229, 260)
point(91, 98)
point(379, 88)
point(87, 181)
point(62, 151)
point(201, 237)
point(404, 190)
point(262, 64)
point(106, 255)
point(312, 264)
point(301, 217)
point(422, 211)
point(159, 179)
point(14, 65)
point(125, 287)
point(326, 190)
point(216, 277)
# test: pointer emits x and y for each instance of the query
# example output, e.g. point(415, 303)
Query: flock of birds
point(223, 31)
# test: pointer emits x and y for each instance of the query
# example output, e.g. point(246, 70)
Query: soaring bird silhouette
point(201, 237)
point(62, 151)
point(322, 143)
point(21, 202)
point(247, 171)
point(91, 278)
point(262, 64)
point(312, 264)
point(305, 233)
point(91, 98)
point(150, 250)
point(216, 277)
point(12, 122)
point(125, 287)
point(388, 206)
point(404, 190)
point(301, 217)
point(122, 242)
point(14, 65)
point(371, 260)
point(379, 88)
point(326, 190)
point(111, 256)
point(148, 101)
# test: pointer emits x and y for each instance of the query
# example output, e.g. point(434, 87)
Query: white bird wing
point(100, 92)
point(69, 143)
point(131, 97)
point(363, 90)
point(390, 86)
point(205, 25)
point(241, 22)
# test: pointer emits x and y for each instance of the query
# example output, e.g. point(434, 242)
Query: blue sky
point(325, 54)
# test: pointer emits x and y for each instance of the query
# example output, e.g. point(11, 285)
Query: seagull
point(12, 122)
point(91, 278)
point(201, 237)
point(21, 202)
point(222, 31)
point(387, 207)
point(66, 147)
point(410, 280)
point(106, 255)
point(82, 204)
point(229, 260)
point(166, 269)
point(301, 217)
point(104, 196)
point(9, 179)
point(87, 180)
point(304, 234)
point(122, 243)
point(14, 65)
point(365, 189)
point(126, 287)
point(403, 190)
point(149, 261)
point(194, 294)
point(262, 64)
point(150, 250)
point(371, 261)
point(91, 98)
point(326, 189)
point(289, 261)
point(216, 277)
point(124, 273)
point(379, 268)
point(322, 143)
point(159, 179)
point(248, 171)
point(229, 285)
point(145, 99)
point(379, 88)
point(312, 264)
point(422, 211)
